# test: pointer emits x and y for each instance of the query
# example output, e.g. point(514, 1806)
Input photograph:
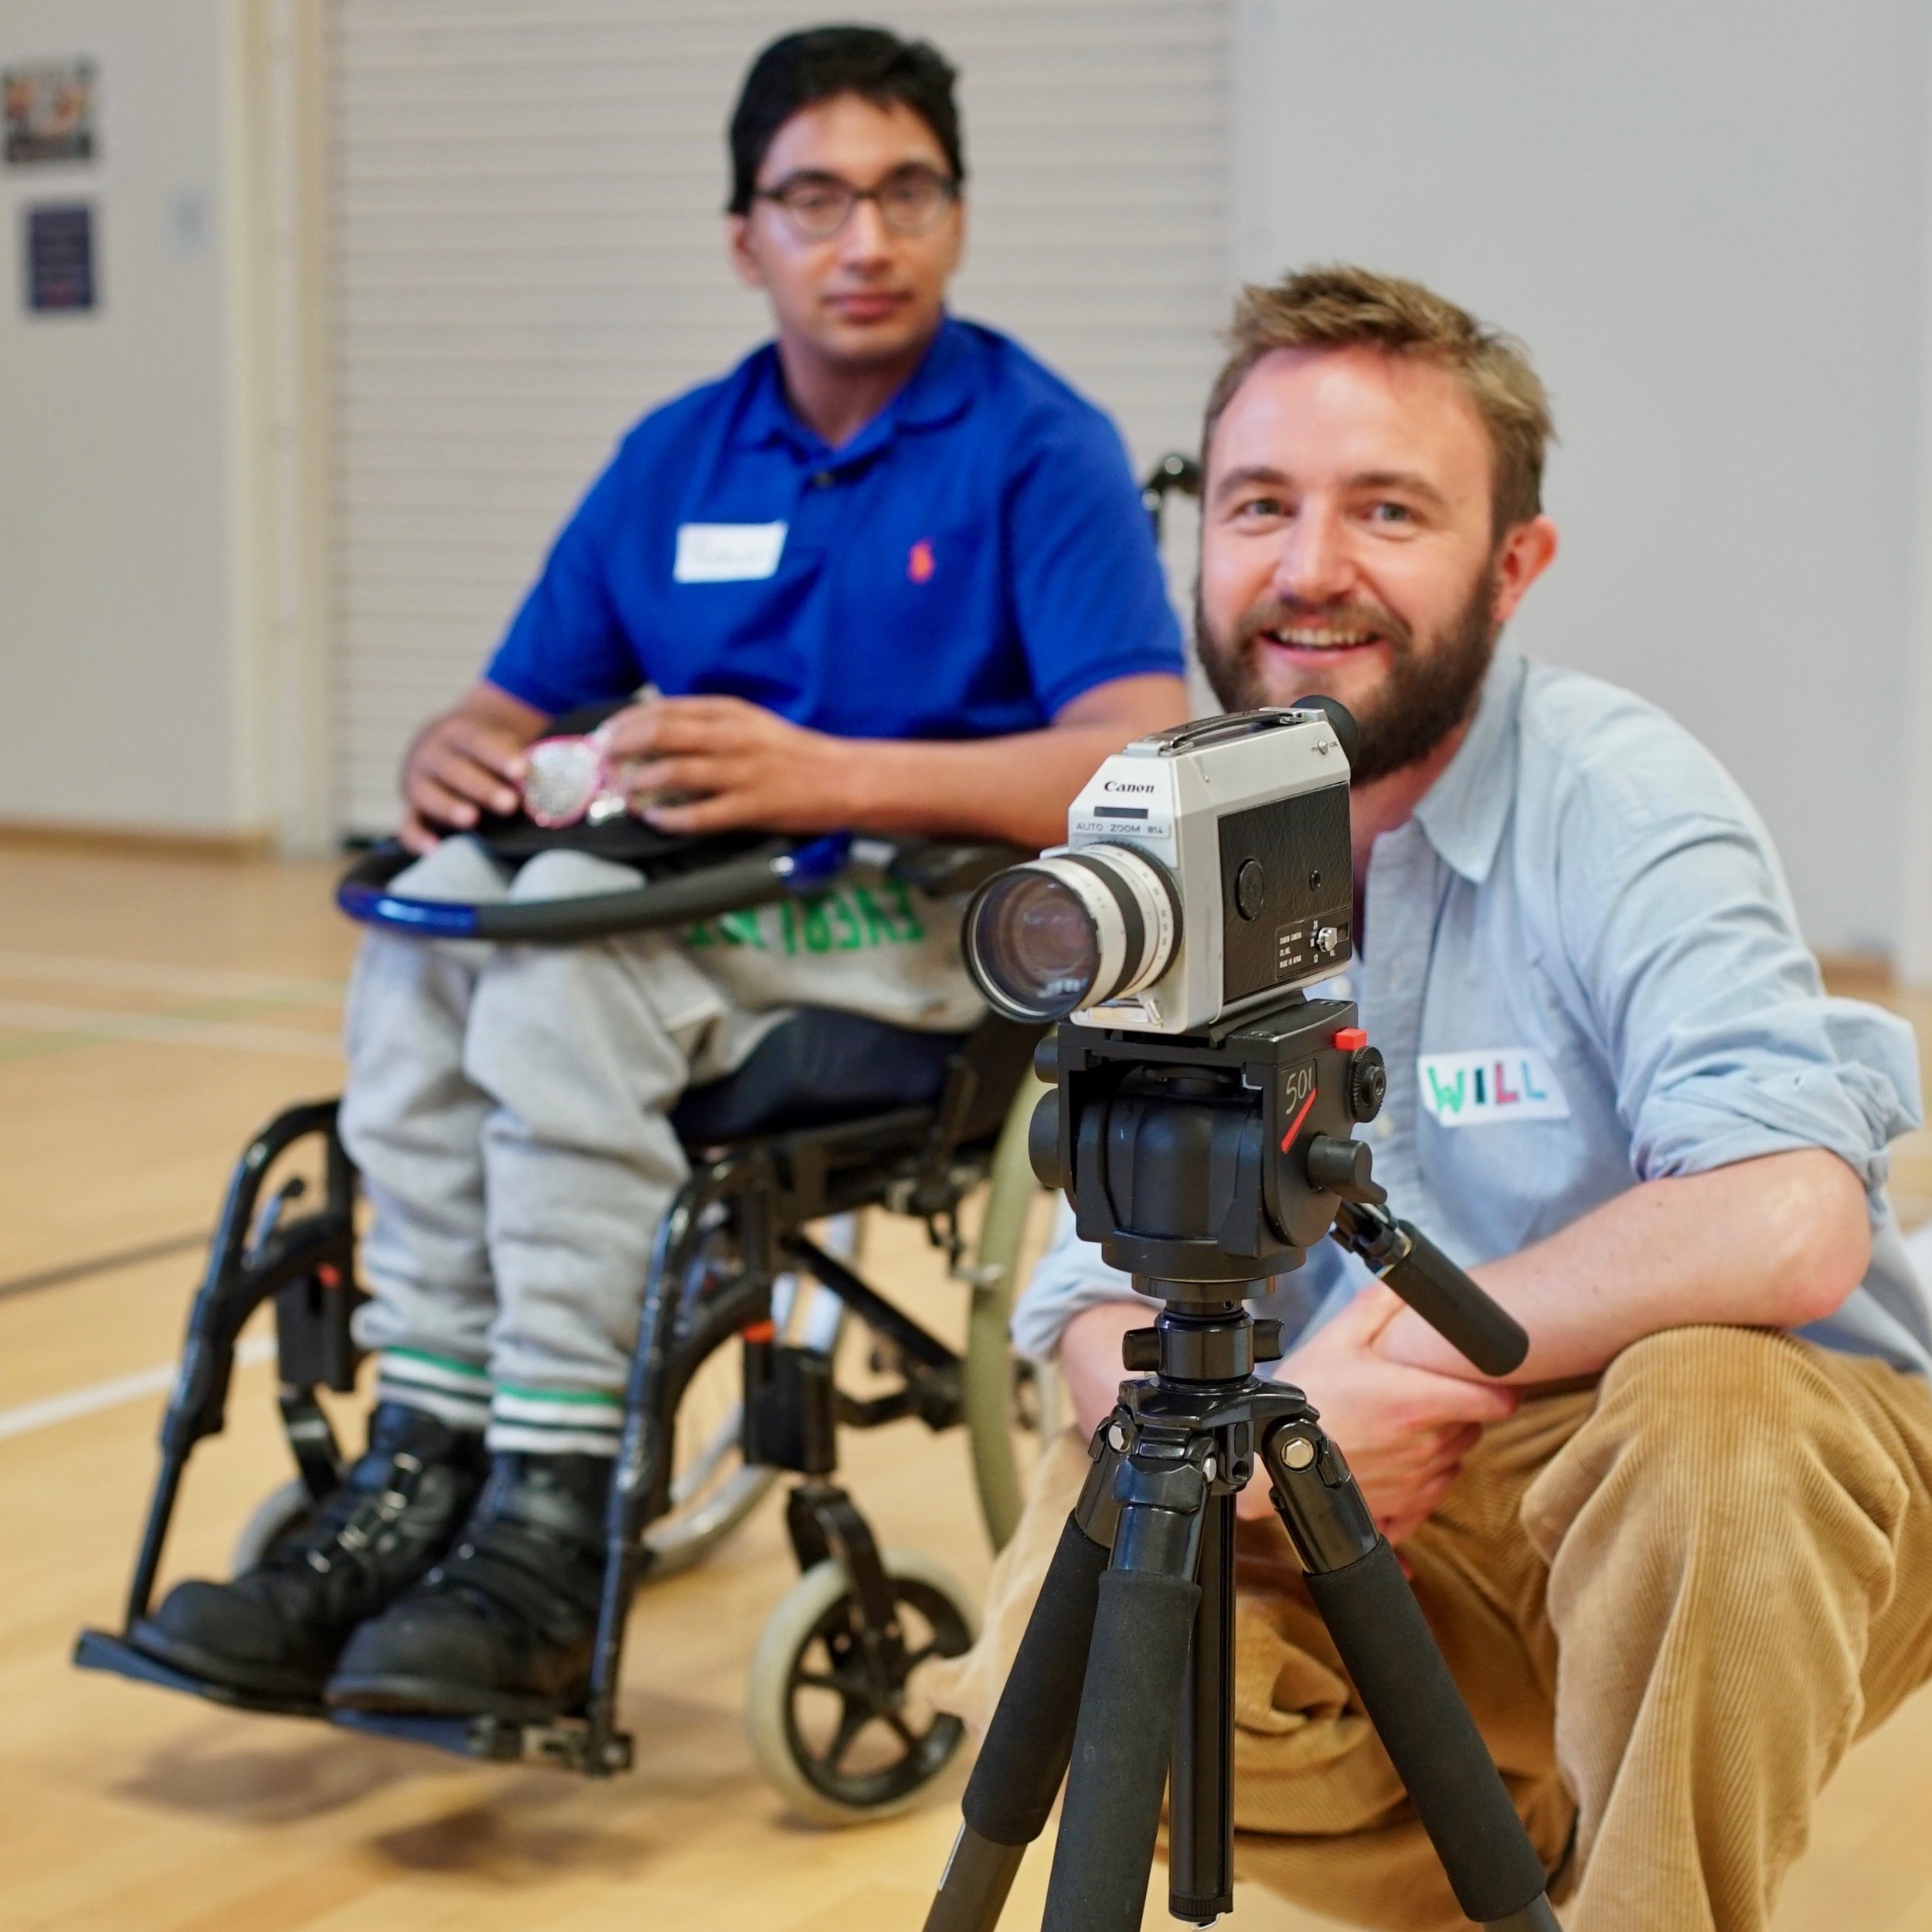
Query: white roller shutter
point(525, 255)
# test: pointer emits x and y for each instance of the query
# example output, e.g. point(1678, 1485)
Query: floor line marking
point(67, 1271)
point(113, 1393)
point(94, 1023)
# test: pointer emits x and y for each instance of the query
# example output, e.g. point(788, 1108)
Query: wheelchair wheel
point(838, 1750)
point(280, 1514)
point(1010, 1407)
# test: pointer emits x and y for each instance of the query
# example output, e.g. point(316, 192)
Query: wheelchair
point(733, 1259)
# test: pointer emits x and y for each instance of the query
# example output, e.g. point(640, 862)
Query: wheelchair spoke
point(856, 1718)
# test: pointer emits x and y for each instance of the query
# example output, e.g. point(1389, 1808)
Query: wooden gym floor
point(153, 1011)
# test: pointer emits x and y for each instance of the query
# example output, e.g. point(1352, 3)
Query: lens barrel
point(1071, 929)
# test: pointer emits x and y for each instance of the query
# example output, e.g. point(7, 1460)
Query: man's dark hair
point(802, 68)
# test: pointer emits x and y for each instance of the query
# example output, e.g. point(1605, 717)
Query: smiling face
point(1348, 546)
point(865, 298)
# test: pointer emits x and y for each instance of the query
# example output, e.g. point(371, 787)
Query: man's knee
point(1711, 1441)
point(561, 873)
point(458, 870)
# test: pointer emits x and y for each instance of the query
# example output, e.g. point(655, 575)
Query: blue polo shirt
point(971, 562)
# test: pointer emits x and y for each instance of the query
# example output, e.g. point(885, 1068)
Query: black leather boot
point(503, 1625)
point(276, 1630)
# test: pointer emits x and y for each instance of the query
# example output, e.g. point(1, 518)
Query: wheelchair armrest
point(769, 871)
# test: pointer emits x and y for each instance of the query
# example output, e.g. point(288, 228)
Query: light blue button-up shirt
point(1582, 964)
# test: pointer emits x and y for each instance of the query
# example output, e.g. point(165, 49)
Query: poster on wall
point(49, 108)
point(60, 242)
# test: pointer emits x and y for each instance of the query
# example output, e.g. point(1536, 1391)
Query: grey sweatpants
point(506, 1105)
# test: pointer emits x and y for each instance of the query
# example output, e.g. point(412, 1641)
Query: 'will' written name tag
point(727, 552)
point(1490, 1086)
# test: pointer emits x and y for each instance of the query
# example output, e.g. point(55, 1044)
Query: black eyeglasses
point(910, 201)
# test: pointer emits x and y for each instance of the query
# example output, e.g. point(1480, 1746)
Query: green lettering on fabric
point(850, 939)
point(902, 904)
point(1448, 1099)
point(878, 928)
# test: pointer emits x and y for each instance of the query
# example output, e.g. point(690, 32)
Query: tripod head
point(1203, 1163)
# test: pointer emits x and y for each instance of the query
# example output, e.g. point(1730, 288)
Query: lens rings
point(1071, 929)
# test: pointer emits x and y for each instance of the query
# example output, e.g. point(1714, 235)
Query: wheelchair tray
point(96, 1650)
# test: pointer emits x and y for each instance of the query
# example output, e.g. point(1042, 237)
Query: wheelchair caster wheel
point(281, 1513)
point(840, 1746)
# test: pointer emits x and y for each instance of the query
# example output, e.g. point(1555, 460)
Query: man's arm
point(468, 761)
point(746, 766)
point(1774, 1243)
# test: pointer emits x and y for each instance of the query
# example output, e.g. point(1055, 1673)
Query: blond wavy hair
point(1338, 306)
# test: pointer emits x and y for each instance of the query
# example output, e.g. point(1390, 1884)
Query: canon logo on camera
point(1116, 785)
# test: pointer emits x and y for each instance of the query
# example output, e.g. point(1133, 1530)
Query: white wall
point(1706, 221)
point(124, 686)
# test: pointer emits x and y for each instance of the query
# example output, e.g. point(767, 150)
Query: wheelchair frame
point(921, 1161)
point(792, 1409)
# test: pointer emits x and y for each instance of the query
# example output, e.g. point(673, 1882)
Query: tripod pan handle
point(1453, 1306)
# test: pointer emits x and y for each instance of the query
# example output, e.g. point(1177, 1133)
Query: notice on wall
point(60, 257)
point(49, 112)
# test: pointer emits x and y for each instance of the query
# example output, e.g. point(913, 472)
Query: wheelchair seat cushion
point(818, 1068)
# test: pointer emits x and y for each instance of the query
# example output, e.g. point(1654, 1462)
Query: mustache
point(1277, 614)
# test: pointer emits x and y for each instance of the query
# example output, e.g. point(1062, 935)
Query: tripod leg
point(1020, 1764)
point(1200, 1823)
point(1142, 1628)
point(1405, 1686)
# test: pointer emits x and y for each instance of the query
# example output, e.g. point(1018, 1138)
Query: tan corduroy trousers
point(1672, 1602)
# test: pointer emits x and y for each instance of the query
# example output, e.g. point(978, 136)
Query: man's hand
point(468, 762)
point(724, 764)
point(1404, 1431)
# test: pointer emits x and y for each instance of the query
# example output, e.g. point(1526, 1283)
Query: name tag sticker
point(727, 552)
point(1490, 1086)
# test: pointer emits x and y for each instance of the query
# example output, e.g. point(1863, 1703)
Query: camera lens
point(1070, 930)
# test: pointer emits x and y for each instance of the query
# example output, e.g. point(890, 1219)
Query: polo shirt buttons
point(823, 480)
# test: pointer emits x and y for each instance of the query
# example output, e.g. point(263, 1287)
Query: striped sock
point(554, 1422)
point(457, 1392)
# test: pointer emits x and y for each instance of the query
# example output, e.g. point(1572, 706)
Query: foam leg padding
point(1112, 1815)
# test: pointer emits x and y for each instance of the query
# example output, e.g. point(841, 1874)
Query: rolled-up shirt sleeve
point(1711, 1008)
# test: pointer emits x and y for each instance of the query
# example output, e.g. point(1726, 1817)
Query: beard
point(1428, 693)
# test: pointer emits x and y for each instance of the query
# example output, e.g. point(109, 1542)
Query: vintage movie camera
point(1207, 873)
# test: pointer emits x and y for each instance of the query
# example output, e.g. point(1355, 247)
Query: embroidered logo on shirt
point(920, 564)
point(727, 552)
point(1490, 1085)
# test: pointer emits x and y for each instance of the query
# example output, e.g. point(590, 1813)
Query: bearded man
point(1683, 1557)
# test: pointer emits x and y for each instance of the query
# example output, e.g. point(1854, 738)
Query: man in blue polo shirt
point(889, 575)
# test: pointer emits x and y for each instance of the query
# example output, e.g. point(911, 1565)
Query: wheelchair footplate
point(565, 1741)
point(101, 1650)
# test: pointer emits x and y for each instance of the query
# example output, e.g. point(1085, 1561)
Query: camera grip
point(1455, 1306)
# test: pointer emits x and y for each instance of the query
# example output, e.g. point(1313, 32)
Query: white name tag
point(1490, 1086)
point(727, 552)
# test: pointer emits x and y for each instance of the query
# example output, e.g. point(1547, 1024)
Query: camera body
point(1207, 873)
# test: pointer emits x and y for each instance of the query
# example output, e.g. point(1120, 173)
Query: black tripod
point(1202, 1165)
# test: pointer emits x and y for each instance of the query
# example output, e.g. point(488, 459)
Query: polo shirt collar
point(938, 390)
point(1462, 813)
